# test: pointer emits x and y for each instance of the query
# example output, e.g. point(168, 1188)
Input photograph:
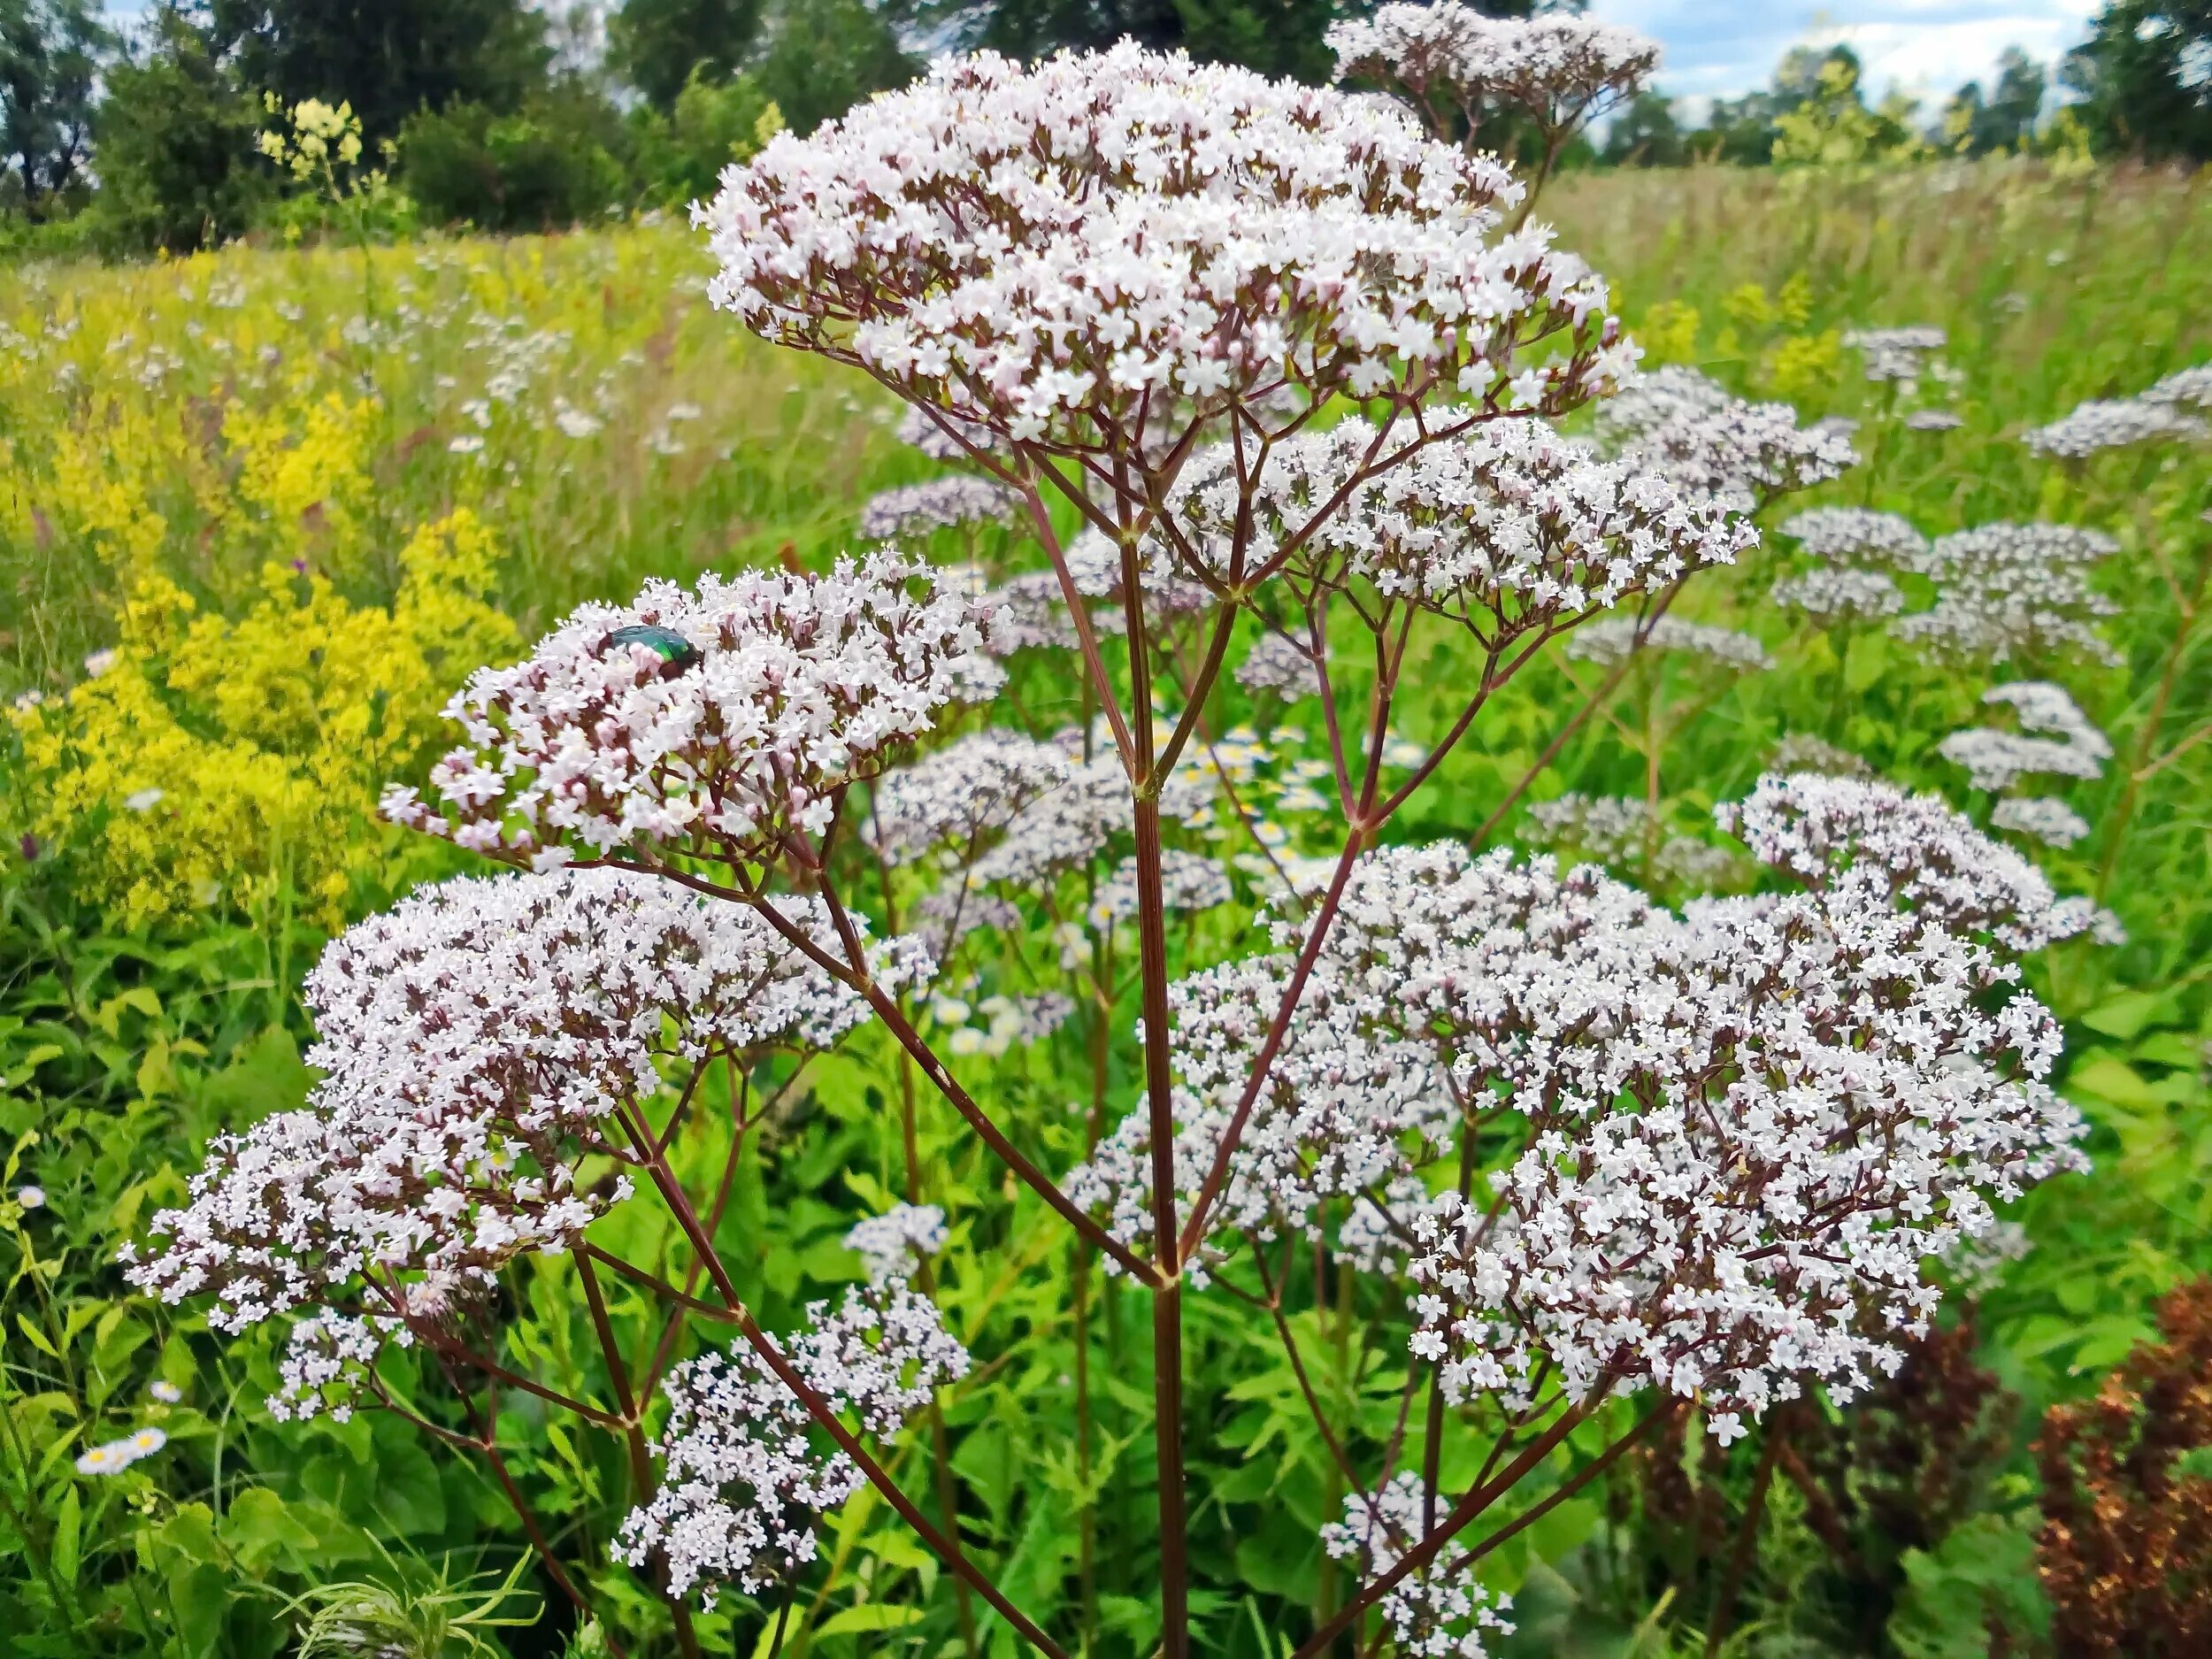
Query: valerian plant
point(1262, 371)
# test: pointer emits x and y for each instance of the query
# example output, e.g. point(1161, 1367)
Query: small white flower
point(31, 1197)
point(99, 663)
point(467, 443)
point(143, 799)
point(166, 1392)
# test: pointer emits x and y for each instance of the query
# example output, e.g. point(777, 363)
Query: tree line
point(509, 117)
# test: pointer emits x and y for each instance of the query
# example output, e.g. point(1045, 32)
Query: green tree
point(175, 136)
point(387, 58)
point(679, 156)
point(2004, 120)
point(2145, 79)
point(1647, 135)
point(548, 164)
point(657, 45)
point(824, 56)
point(50, 53)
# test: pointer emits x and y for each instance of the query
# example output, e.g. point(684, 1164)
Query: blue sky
point(1718, 47)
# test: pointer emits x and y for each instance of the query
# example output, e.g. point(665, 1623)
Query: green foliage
point(542, 165)
point(388, 58)
point(679, 155)
point(661, 47)
point(176, 136)
point(2145, 79)
point(822, 57)
point(50, 57)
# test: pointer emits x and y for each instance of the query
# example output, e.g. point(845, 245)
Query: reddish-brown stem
point(632, 1435)
point(1463, 1513)
point(1746, 1535)
point(680, 1205)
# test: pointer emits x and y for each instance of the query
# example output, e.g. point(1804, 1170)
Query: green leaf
point(869, 1615)
point(36, 1337)
point(2114, 1080)
point(68, 1522)
point(257, 1529)
point(2126, 1014)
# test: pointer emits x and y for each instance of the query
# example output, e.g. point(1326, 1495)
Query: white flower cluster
point(1070, 825)
point(1616, 638)
point(1831, 834)
point(1712, 445)
point(1840, 595)
point(1847, 534)
point(2064, 742)
point(1748, 1125)
point(1803, 751)
point(888, 1244)
point(929, 434)
point(478, 1040)
point(1896, 354)
point(958, 794)
point(2104, 424)
point(2008, 590)
point(2045, 817)
point(1188, 882)
point(1558, 69)
point(1047, 251)
point(715, 722)
point(1434, 1612)
point(1507, 526)
point(942, 503)
point(745, 1482)
point(2184, 386)
point(327, 1356)
point(1279, 663)
point(1610, 828)
point(1933, 420)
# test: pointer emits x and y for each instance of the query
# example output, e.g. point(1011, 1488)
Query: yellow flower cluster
point(214, 763)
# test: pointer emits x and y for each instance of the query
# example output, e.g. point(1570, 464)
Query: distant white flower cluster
point(2056, 739)
point(1610, 828)
point(1847, 534)
point(1616, 638)
point(1436, 1611)
point(955, 795)
point(2104, 424)
point(2010, 590)
point(2184, 386)
point(745, 1484)
point(1278, 664)
point(1710, 444)
point(2064, 742)
point(942, 503)
point(1188, 882)
point(1896, 354)
point(444, 1136)
point(715, 721)
point(1045, 250)
point(1840, 595)
point(1558, 69)
point(888, 1244)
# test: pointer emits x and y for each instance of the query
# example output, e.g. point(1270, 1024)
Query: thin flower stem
point(817, 1409)
point(1463, 1513)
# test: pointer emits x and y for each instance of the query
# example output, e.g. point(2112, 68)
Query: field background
point(213, 466)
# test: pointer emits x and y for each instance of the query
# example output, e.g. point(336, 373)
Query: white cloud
point(1721, 47)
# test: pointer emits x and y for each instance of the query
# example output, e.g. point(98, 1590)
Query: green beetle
point(676, 652)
